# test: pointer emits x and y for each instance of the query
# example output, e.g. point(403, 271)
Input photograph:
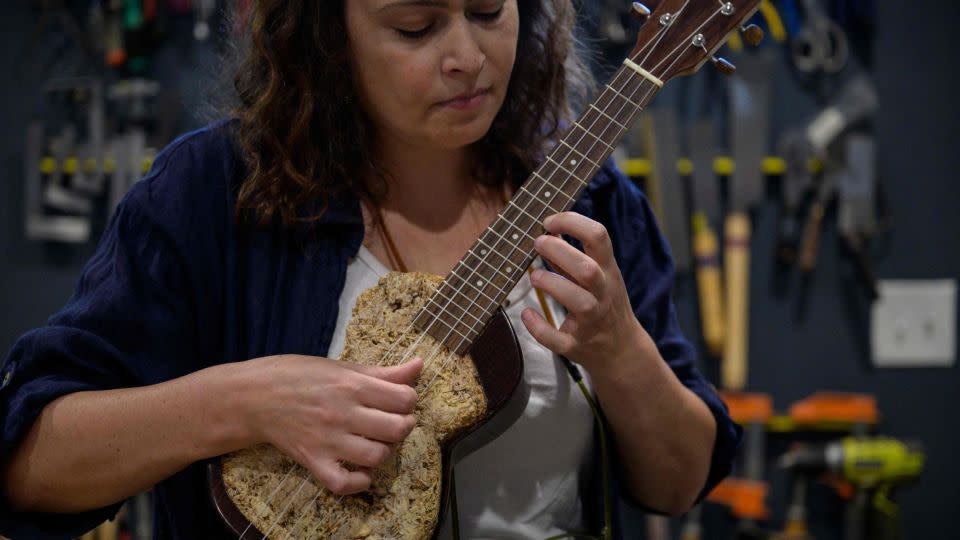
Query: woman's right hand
point(323, 413)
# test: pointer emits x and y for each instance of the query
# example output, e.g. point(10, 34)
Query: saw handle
point(707, 256)
point(736, 260)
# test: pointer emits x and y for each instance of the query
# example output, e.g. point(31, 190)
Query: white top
point(524, 484)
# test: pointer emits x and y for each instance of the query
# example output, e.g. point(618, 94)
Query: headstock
point(680, 35)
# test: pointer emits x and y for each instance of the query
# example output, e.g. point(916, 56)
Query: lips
point(467, 96)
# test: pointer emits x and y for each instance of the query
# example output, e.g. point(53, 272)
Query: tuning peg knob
point(723, 66)
point(639, 11)
point(752, 34)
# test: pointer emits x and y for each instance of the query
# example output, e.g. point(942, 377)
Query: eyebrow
point(407, 3)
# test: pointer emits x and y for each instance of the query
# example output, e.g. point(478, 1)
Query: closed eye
point(487, 16)
point(415, 34)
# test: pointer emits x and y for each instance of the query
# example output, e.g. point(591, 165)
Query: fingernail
point(546, 222)
point(536, 275)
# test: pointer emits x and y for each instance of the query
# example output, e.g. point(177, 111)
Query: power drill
point(874, 465)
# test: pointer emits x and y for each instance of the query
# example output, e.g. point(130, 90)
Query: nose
point(462, 51)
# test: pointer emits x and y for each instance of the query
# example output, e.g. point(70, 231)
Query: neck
point(426, 181)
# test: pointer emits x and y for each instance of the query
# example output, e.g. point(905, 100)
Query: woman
point(206, 320)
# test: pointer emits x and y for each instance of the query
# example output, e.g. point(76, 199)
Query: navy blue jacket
point(176, 286)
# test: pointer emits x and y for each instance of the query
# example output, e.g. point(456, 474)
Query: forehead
point(379, 5)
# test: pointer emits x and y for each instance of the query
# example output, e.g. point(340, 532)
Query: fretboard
point(463, 304)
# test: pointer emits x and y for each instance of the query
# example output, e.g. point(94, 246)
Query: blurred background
point(803, 181)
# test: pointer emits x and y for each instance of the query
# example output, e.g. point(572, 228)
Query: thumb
point(405, 373)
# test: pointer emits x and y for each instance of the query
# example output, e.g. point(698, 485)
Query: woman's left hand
point(600, 328)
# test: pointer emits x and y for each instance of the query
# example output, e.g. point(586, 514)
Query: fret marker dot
point(573, 162)
point(508, 270)
point(515, 236)
point(483, 252)
point(479, 283)
point(546, 193)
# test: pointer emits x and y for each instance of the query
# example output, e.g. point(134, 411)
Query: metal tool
point(659, 143)
point(856, 211)
point(749, 95)
point(820, 45)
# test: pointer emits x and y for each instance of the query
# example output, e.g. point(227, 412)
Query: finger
point(546, 334)
point(572, 296)
point(339, 480)
point(576, 265)
point(405, 373)
point(382, 426)
point(388, 397)
point(361, 450)
point(592, 234)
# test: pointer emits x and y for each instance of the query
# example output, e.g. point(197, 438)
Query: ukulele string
point(514, 247)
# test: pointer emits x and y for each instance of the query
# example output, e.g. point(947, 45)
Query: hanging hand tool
point(56, 194)
point(810, 243)
point(797, 153)
point(659, 143)
point(37, 225)
point(749, 96)
point(855, 102)
point(820, 45)
point(856, 212)
point(116, 54)
point(705, 217)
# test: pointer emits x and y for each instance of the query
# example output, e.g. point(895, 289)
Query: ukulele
point(471, 388)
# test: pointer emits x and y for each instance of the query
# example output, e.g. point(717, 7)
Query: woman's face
point(432, 73)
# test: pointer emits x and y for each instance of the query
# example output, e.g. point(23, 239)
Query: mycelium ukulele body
point(461, 408)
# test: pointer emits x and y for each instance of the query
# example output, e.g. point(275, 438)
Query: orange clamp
point(835, 407)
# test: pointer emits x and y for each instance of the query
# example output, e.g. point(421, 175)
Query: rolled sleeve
point(127, 324)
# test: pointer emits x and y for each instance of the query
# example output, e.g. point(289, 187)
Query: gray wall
point(790, 358)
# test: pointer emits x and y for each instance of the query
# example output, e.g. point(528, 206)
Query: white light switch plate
point(914, 323)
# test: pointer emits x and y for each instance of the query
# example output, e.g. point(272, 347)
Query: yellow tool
point(874, 466)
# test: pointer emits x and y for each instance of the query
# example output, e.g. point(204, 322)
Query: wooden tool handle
point(706, 253)
point(811, 238)
point(736, 259)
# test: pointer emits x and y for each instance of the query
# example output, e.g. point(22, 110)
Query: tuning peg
point(639, 11)
point(723, 66)
point(752, 34)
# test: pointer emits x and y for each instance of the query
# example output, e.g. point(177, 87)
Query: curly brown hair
point(306, 138)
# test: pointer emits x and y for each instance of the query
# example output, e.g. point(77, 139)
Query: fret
point(524, 212)
point(498, 281)
point(582, 156)
point(623, 97)
point(508, 260)
point(426, 320)
point(484, 277)
point(481, 261)
point(608, 117)
point(468, 280)
point(578, 173)
point(592, 134)
point(548, 193)
point(552, 189)
point(466, 311)
point(596, 137)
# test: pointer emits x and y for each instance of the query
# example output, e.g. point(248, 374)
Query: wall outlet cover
point(914, 323)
